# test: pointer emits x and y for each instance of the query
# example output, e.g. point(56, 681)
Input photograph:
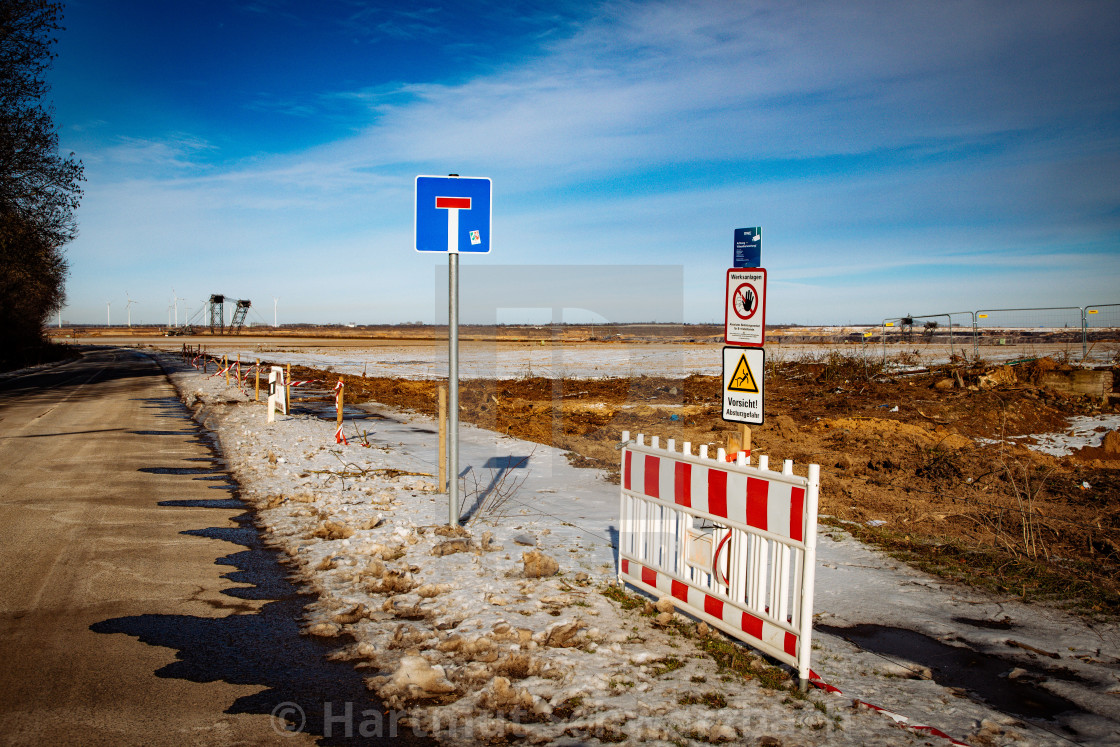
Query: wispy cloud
point(176, 153)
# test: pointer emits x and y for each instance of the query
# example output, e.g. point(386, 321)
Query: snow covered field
point(451, 628)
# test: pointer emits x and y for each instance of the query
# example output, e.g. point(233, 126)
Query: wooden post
point(733, 443)
point(225, 365)
point(338, 401)
point(741, 441)
point(257, 388)
point(287, 388)
point(239, 370)
point(442, 458)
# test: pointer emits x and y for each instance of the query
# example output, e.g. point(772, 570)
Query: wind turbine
point(128, 306)
point(176, 300)
point(275, 301)
point(108, 314)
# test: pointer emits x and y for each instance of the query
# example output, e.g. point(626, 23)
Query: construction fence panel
point(730, 544)
point(952, 330)
point(1102, 323)
point(1025, 326)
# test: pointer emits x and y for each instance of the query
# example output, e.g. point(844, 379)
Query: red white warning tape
point(902, 721)
point(305, 381)
point(340, 437)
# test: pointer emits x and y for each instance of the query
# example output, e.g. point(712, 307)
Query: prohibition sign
point(744, 316)
point(745, 301)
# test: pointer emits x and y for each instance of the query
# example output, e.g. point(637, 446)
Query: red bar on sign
point(463, 203)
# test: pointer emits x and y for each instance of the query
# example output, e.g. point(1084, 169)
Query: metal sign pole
point(453, 388)
point(453, 214)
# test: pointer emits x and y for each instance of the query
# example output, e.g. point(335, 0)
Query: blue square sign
point(748, 247)
point(453, 214)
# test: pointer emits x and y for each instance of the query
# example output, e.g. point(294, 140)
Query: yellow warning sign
point(743, 380)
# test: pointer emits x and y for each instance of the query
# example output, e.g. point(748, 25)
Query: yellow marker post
point(338, 402)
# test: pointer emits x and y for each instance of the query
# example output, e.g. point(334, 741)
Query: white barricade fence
point(277, 399)
point(730, 544)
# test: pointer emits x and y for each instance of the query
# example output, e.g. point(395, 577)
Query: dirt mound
point(894, 430)
point(1108, 451)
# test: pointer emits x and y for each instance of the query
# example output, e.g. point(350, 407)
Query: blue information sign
point(452, 214)
point(748, 247)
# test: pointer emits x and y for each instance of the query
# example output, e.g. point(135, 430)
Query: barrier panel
point(730, 544)
point(277, 393)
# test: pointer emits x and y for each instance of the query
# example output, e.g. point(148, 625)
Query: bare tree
point(39, 189)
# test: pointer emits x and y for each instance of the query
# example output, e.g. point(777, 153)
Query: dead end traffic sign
point(453, 214)
point(745, 312)
point(744, 391)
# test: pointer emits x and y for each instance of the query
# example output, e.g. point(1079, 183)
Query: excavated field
point(932, 466)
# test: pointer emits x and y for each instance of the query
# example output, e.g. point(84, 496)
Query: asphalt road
point(137, 605)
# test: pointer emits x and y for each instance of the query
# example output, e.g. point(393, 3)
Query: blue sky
point(900, 157)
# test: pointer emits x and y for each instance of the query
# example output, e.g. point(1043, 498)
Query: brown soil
point(897, 449)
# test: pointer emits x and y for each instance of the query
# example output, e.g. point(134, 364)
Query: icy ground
point(1083, 431)
point(473, 648)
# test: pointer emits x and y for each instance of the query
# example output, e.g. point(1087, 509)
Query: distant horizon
point(526, 325)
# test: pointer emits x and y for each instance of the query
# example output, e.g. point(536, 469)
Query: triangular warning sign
point(743, 380)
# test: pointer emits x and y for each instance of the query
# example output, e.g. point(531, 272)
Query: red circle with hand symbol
point(745, 301)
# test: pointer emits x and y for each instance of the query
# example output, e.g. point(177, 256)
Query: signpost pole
point(453, 386)
point(452, 215)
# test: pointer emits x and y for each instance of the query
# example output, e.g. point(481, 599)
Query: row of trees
point(39, 189)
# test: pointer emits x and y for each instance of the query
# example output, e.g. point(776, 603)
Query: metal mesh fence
point(1027, 326)
point(1102, 331)
point(1103, 317)
point(1076, 331)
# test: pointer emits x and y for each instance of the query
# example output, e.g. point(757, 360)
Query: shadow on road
point(263, 646)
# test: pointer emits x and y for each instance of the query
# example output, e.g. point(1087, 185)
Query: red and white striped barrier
point(902, 721)
point(730, 544)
